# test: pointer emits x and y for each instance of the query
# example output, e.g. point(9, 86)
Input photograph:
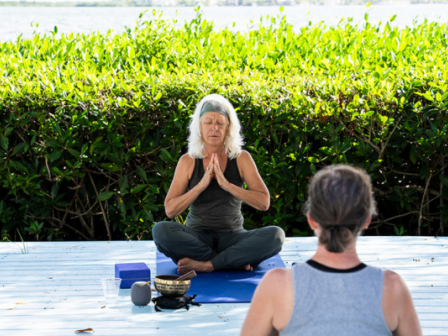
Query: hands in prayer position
point(214, 171)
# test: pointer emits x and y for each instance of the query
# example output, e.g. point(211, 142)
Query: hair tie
point(213, 106)
point(337, 227)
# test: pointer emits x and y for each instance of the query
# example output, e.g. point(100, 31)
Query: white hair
point(234, 139)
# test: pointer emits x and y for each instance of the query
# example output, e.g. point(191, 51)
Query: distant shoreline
point(72, 4)
point(140, 4)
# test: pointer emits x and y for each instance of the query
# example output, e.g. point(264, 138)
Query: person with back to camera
point(210, 180)
point(334, 293)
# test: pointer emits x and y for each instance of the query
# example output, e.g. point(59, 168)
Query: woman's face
point(214, 128)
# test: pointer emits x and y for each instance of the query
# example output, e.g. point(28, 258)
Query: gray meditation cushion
point(140, 293)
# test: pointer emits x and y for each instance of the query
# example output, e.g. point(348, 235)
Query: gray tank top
point(330, 301)
point(216, 209)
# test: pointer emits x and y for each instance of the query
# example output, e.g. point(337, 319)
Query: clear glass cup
point(111, 287)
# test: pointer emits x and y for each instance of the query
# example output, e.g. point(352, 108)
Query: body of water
point(15, 21)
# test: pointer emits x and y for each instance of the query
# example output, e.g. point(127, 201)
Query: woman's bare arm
point(177, 199)
point(257, 194)
point(398, 308)
point(260, 317)
point(272, 304)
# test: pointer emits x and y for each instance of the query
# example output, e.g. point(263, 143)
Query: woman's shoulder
point(276, 281)
point(244, 157)
point(244, 154)
point(393, 282)
point(392, 277)
point(186, 159)
point(186, 164)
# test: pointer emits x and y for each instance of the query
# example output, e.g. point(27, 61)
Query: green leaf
point(444, 179)
point(137, 188)
point(158, 96)
point(424, 171)
point(154, 189)
point(122, 207)
point(92, 147)
point(19, 147)
point(152, 206)
point(149, 216)
point(84, 148)
point(111, 166)
point(56, 170)
point(53, 143)
point(141, 172)
point(128, 155)
point(73, 152)
point(340, 128)
point(4, 142)
point(105, 195)
point(54, 190)
point(166, 156)
point(413, 155)
point(131, 52)
point(55, 155)
point(57, 128)
point(325, 150)
point(313, 168)
point(20, 167)
point(124, 184)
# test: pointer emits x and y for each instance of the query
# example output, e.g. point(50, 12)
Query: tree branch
point(388, 138)
point(101, 206)
point(395, 217)
point(420, 218)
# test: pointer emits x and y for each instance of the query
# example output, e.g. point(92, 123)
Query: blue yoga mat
point(228, 286)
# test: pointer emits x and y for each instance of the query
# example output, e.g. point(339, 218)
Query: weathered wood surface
point(59, 282)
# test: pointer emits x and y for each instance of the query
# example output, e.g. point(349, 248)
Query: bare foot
point(186, 265)
point(248, 268)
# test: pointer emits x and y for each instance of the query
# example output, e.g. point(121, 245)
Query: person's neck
point(209, 150)
point(345, 260)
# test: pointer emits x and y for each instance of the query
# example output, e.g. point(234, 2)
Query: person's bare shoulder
point(276, 281)
point(186, 159)
point(246, 164)
point(393, 281)
point(391, 300)
point(281, 295)
point(244, 156)
point(398, 307)
point(186, 165)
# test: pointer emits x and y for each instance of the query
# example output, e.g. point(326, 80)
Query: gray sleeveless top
point(215, 208)
point(329, 301)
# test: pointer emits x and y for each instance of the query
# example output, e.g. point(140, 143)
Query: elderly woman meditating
point(334, 293)
point(210, 180)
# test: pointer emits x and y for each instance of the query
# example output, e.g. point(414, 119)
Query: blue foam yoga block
point(132, 272)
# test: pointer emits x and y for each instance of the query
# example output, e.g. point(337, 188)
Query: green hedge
point(92, 125)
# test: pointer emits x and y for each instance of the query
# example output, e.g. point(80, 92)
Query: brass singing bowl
point(167, 286)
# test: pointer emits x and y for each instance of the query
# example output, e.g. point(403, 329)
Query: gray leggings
point(224, 249)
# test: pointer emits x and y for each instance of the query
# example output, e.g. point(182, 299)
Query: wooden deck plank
point(59, 282)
